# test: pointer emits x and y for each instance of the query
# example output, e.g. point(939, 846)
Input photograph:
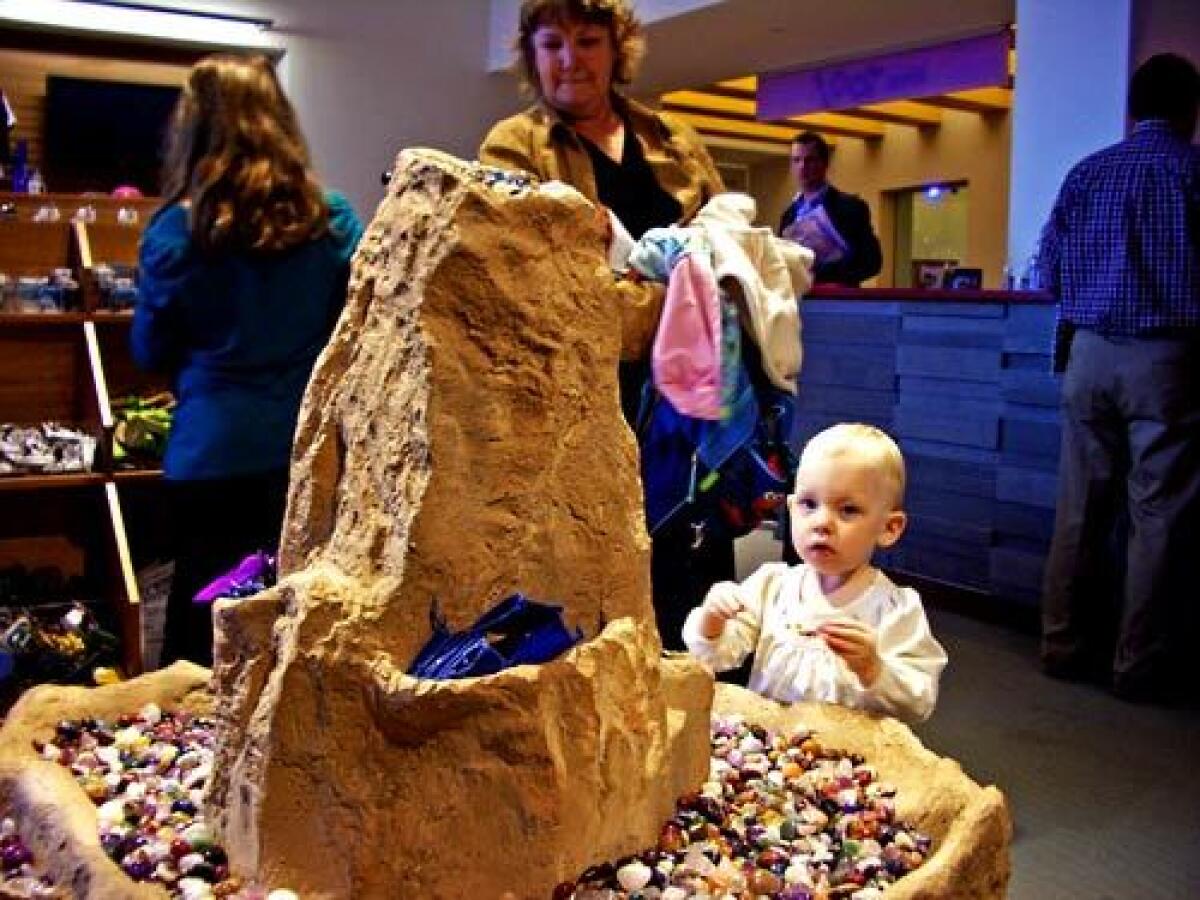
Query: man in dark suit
point(851, 216)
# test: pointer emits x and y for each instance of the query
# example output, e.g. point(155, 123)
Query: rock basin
point(969, 824)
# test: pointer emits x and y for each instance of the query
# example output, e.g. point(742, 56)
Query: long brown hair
point(235, 150)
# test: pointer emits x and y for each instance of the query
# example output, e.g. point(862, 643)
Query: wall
point(1165, 26)
point(502, 18)
point(1070, 101)
point(23, 77)
point(967, 147)
point(369, 78)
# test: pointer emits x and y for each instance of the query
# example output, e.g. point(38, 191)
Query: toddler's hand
point(721, 605)
point(855, 642)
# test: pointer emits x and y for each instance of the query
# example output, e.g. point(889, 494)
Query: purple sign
point(903, 75)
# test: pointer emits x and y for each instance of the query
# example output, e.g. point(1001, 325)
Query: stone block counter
point(963, 381)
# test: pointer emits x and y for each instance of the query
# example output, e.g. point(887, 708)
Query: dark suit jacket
point(851, 216)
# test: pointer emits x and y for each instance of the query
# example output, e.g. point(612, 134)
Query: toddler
point(833, 628)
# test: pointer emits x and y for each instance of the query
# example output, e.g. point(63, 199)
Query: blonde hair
point(235, 150)
point(628, 39)
point(868, 443)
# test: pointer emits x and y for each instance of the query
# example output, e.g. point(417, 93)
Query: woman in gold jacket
point(649, 169)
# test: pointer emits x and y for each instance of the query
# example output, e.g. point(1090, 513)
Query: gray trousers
point(1131, 452)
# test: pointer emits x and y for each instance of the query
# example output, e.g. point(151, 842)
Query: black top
point(629, 188)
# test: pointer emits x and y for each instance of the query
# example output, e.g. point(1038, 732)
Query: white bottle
point(36, 185)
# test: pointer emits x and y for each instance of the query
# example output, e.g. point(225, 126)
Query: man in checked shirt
point(1121, 252)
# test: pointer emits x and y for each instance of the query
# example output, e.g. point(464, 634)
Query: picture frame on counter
point(930, 274)
point(967, 279)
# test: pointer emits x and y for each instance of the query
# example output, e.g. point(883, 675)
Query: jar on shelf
point(47, 213)
point(67, 290)
point(29, 293)
point(8, 294)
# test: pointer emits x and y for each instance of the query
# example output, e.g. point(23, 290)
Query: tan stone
point(461, 439)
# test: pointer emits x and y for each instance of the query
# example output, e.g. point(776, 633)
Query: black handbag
point(516, 631)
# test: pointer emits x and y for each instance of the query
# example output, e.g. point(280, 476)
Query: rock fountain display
point(461, 439)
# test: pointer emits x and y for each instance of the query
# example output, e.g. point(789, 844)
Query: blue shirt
point(238, 333)
point(1121, 250)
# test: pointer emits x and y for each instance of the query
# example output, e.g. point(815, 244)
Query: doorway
point(930, 232)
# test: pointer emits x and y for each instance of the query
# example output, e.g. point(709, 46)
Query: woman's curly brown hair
point(235, 151)
point(628, 38)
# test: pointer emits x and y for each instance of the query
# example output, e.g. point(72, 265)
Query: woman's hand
point(721, 605)
point(604, 223)
point(856, 643)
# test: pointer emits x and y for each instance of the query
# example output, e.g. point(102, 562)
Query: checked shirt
point(1121, 250)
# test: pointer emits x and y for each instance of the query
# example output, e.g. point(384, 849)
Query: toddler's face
point(841, 510)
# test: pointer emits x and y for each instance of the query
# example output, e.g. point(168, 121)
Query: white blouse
point(782, 606)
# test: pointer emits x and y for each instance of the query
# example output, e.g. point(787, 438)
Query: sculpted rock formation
point(461, 439)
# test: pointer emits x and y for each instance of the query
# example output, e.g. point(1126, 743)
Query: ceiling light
point(140, 21)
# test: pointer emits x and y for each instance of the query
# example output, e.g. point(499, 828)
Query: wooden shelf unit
point(27, 206)
point(52, 481)
point(65, 367)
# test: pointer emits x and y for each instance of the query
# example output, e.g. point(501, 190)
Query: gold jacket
point(538, 141)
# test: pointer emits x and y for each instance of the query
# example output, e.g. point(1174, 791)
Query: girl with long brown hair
point(243, 275)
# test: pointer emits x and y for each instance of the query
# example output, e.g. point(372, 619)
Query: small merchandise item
point(52, 642)
point(253, 574)
point(142, 427)
point(516, 631)
point(43, 449)
point(117, 285)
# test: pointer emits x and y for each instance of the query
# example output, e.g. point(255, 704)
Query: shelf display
point(116, 286)
point(44, 449)
point(52, 629)
point(66, 297)
point(142, 426)
point(57, 292)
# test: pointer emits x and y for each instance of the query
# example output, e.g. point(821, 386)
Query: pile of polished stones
point(147, 774)
point(780, 816)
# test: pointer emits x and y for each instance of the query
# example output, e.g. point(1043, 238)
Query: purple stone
point(139, 869)
point(14, 856)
